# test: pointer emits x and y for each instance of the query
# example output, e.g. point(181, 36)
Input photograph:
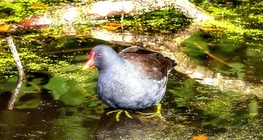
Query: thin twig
point(212, 56)
point(21, 73)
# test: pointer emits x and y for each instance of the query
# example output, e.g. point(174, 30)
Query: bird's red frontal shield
point(90, 61)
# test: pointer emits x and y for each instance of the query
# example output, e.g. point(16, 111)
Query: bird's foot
point(154, 114)
point(119, 112)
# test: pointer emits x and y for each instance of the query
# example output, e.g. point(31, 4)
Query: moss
point(165, 21)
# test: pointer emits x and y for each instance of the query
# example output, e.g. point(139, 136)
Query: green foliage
point(253, 108)
point(8, 84)
point(237, 69)
point(251, 129)
point(229, 45)
point(199, 49)
point(32, 102)
point(18, 10)
point(235, 35)
point(255, 52)
point(58, 85)
point(192, 49)
point(165, 21)
point(184, 93)
point(218, 107)
point(240, 21)
point(77, 124)
point(26, 88)
point(73, 96)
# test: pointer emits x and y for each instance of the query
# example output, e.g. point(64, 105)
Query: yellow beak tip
point(85, 67)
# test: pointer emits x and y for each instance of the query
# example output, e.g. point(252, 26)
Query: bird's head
point(101, 56)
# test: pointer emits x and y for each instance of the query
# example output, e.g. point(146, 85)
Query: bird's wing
point(149, 64)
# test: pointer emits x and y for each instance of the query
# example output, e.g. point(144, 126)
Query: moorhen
point(134, 79)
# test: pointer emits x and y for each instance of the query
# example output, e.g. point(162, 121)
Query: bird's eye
point(98, 54)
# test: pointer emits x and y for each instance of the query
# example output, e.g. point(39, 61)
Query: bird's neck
point(119, 66)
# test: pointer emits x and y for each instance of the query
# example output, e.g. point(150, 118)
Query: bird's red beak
point(90, 61)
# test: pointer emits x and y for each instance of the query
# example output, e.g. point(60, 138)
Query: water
point(189, 109)
point(59, 101)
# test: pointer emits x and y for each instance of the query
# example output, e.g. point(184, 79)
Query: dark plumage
point(134, 79)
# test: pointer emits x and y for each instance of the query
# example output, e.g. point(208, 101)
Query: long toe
point(153, 114)
point(118, 114)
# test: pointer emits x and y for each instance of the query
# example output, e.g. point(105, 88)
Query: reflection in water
point(28, 123)
point(189, 109)
point(126, 128)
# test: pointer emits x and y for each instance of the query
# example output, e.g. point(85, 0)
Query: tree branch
point(87, 13)
point(21, 73)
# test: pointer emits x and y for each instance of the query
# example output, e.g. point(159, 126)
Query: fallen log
point(89, 13)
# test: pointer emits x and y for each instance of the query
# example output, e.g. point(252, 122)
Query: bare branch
point(21, 73)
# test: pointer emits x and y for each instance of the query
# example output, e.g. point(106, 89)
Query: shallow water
point(189, 108)
point(59, 100)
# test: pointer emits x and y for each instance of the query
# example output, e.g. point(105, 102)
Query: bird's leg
point(119, 112)
point(157, 113)
point(158, 109)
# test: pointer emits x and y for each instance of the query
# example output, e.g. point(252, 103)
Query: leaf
point(240, 74)
point(229, 45)
point(4, 28)
point(196, 46)
point(28, 89)
point(8, 85)
point(58, 85)
point(68, 91)
point(200, 137)
point(237, 66)
point(73, 96)
point(112, 26)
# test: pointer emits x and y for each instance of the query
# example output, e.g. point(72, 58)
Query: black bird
point(134, 79)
